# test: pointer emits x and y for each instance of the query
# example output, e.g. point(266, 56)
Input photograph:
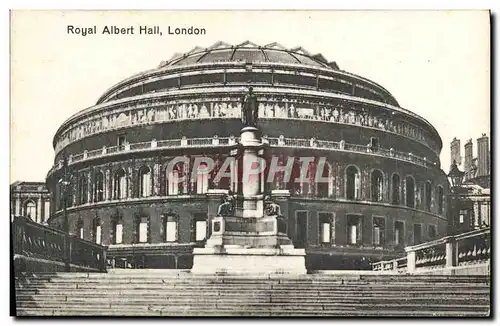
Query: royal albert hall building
point(385, 187)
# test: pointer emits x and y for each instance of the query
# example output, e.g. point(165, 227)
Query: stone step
point(92, 295)
point(253, 280)
point(221, 291)
point(230, 282)
point(195, 306)
point(255, 313)
point(178, 301)
point(246, 278)
point(264, 284)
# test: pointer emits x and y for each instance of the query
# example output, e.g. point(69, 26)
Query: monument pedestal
point(248, 240)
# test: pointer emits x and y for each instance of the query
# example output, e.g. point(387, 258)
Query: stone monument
point(249, 234)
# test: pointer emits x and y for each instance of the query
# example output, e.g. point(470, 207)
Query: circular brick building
point(385, 188)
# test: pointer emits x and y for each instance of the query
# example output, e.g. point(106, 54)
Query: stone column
point(39, 210)
point(451, 252)
point(411, 261)
point(89, 187)
point(107, 184)
point(18, 205)
point(476, 215)
point(130, 182)
point(156, 179)
point(75, 192)
point(387, 191)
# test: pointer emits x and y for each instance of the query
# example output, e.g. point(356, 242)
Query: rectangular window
point(301, 229)
point(171, 231)
point(353, 233)
point(121, 139)
point(143, 232)
point(379, 231)
point(201, 230)
point(432, 232)
point(463, 216)
point(119, 233)
point(81, 232)
point(354, 227)
point(98, 234)
point(417, 233)
point(325, 232)
point(325, 227)
point(399, 233)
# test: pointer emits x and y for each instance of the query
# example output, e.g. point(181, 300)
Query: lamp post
point(455, 177)
point(65, 182)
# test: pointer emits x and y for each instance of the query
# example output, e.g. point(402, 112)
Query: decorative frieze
point(270, 107)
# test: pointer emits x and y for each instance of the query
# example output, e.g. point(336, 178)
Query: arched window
point(98, 187)
point(176, 183)
point(144, 182)
point(440, 199)
point(395, 189)
point(353, 183)
point(173, 181)
point(120, 185)
point(377, 185)
point(428, 196)
point(30, 209)
point(82, 189)
point(410, 192)
point(202, 179)
point(325, 189)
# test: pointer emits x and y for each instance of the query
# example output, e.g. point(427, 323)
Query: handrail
point(231, 141)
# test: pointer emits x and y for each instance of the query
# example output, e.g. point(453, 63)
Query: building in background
point(474, 201)
point(30, 199)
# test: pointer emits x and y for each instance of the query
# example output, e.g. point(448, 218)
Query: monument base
point(256, 261)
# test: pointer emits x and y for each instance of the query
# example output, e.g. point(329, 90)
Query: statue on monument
point(249, 109)
point(272, 209)
point(226, 208)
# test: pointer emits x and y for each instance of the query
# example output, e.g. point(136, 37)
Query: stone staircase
point(143, 293)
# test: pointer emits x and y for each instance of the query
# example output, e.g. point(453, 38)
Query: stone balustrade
point(230, 141)
point(468, 248)
point(35, 242)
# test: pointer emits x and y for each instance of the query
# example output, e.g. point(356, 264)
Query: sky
point(435, 63)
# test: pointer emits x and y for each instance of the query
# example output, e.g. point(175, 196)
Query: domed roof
point(249, 52)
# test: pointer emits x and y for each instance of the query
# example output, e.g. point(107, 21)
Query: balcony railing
point(231, 141)
point(35, 241)
point(464, 249)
